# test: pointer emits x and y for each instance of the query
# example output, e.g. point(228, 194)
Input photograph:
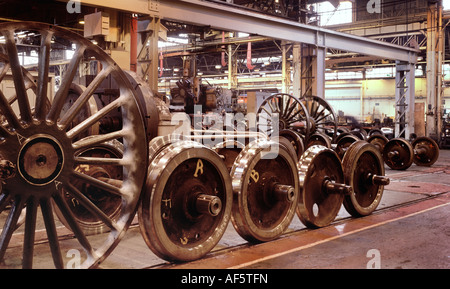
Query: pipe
point(133, 44)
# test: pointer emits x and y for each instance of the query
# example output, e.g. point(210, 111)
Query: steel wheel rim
point(432, 151)
point(251, 225)
point(157, 220)
point(315, 207)
point(403, 159)
point(344, 143)
point(359, 161)
point(378, 140)
point(48, 126)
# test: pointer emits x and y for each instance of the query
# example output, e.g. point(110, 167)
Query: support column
point(434, 70)
point(313, 70)
point(286, 68)
point(297, 70)
point(404, 99)
point(232, 68)
point(147, 60)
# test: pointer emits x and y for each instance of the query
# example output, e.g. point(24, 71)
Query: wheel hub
point(40, 160)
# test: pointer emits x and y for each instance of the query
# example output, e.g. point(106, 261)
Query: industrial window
point(446, 4)
point(327, 14)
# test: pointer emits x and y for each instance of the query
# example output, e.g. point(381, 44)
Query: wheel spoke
point(4, 201)
point(291, 108)
point(89, 205)
point(43, 68)
point(73, 224)
point(265, 109)
point(324, 116)
point(97, 139)
point(83, 98)
point(99, 161)
point(272, 108)
point(298, 112)
point(8, 112)
point(316, 109)
point(5, 69)
point(278, 101)
point(19, 84)
point(99, 184)
point(10, 224)
point(61, 94)
point(319, 114)
point(52, 235)
point(93, 118)
point(30, 229)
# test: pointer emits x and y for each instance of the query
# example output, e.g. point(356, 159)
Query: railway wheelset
point(56, 158)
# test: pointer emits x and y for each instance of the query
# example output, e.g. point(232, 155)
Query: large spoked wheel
point(186, 204)
point(42, 146)
point(265, 187)
point(322, 116)
point(288, 111)
point(364, 171)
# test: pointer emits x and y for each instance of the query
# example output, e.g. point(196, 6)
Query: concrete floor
point(409, 229)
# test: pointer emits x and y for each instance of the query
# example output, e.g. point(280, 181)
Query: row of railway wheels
point(187, 204)
point(185, 193)
point(398, 153)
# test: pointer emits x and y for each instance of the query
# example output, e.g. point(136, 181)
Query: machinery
point(92, 169)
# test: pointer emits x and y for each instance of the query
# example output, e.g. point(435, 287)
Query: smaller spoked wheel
point(108, 202)
point(364, 172)
point(283, 111)
point(295, 139)
point(265, 187)
point(186, 204)
point(398, 154)
point(322, 187)
point(426, 151)
point(322, 116)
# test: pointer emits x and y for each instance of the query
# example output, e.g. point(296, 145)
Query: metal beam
point(230, 18)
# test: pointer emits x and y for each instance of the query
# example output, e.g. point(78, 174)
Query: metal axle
point(378, 180)
point(284, 192)
point(332, 187)
point(208, 204)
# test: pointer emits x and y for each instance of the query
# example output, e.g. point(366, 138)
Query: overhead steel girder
point(231, 18)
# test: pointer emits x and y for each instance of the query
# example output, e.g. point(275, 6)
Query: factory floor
point(410, 229)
